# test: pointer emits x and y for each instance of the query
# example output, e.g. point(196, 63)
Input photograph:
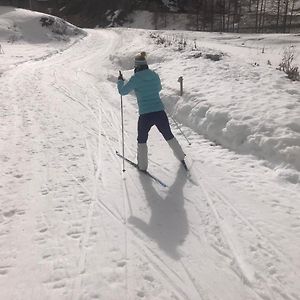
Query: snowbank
point(26, 35)
point(33, 27)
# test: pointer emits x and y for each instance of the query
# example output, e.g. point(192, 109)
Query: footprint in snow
point(75, 234)
point(10, 213)
point(18, 176)
point(44, 192)
point(149, 278)
point(121, 264)
point(4, 270)
point(141, 294)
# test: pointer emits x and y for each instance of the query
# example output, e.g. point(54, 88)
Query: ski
point(144, 172)
point(184, 165)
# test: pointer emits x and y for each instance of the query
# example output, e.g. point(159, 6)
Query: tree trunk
point(228, 16)
point(250, 6)
point(212, 15)
point(204, 14)
point(224, 15)
point(264, 15)
point(278, 15)
point(292, 14)
point(256, 15)
point(285, 15)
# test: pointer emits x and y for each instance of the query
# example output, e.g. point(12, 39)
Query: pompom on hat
point(140, 59)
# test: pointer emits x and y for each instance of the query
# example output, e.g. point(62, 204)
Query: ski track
point(264, 248)
point(79, 244)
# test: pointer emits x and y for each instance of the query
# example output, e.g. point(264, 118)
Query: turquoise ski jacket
point(146, 85)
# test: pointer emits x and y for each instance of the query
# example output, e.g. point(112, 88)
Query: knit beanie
point(140, 59)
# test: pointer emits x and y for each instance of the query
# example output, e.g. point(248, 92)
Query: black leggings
point(159, 119)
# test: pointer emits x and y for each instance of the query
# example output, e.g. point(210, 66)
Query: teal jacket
point(146, 85)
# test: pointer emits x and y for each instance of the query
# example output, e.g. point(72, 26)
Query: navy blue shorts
point(159, 119)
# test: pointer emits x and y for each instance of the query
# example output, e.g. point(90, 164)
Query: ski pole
point(180, 130)
point(122, 124)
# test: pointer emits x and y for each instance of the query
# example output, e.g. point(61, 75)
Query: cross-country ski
point(143, 171)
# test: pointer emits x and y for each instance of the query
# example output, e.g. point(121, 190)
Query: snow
point(74, 226)
point(23, 27)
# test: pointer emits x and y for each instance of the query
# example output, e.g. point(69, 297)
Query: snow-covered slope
point(74, 226)
point(33, 27)
point(36, 35)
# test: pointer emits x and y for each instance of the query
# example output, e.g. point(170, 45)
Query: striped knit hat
point(140, 59)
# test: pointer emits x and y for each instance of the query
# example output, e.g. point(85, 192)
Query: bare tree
point(278, 15)
point(292, 14)
point(223, 15)
point(250, 5)
point(204, 13)
point(212, 14)
point(228, 15)
point(286, 8)
point(257, 16)
point(236, 15)
point(264, 16)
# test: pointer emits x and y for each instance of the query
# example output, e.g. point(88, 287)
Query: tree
point(278, 15)
point(286, 2)
point(292, 13)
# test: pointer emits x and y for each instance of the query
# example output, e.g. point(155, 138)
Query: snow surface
point(22, 27)
point(73, 226)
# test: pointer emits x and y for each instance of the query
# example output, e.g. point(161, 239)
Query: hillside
point(46, 34)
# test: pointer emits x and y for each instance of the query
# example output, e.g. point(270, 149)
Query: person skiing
point(147, 85)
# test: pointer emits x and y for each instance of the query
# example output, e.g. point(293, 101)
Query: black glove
point(120, 76)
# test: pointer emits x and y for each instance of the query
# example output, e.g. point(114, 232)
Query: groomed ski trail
point(90, 232)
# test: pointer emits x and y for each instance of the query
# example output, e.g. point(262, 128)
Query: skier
point(146, 85)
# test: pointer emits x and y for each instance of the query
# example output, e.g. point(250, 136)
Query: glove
point(120, 76)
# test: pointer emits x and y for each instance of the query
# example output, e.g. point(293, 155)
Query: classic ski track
point(86, 234)
point(125, 237)
point(221, 196)
point(136, 237)
point(251, 283)
point(266, 240)
point(124, 196)
point(157, 256)
point(158, 265)
point(20, 94)
point(248, 223)
point(76, 281)
point(243, 277)
point(103, 206)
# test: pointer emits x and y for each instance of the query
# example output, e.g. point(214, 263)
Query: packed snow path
point(74, 227)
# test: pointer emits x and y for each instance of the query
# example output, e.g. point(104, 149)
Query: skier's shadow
point(168, 224)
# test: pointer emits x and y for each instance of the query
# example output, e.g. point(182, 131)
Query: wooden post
point(180, 80)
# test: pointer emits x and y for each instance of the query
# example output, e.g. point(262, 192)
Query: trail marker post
point(180, 80)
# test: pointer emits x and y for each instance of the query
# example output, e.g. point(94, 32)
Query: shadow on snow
point(168, 225)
